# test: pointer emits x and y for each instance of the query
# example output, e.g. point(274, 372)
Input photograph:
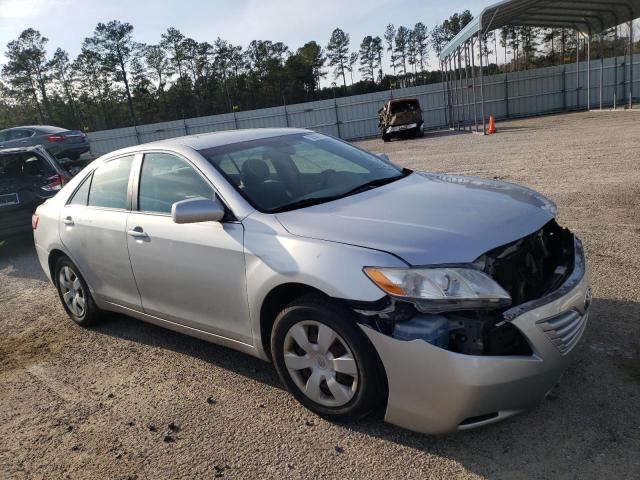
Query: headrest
point(254, 171)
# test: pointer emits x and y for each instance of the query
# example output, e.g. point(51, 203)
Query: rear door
point(192, 274)
point(93, 228)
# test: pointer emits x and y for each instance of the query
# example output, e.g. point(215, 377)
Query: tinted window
point(17, 134)
point(4, 136)
point(167, 179)
point(82, 194)
point(109, 184)
point(24, 165)
point(292, 171)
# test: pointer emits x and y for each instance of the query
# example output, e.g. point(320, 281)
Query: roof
point(14, 150)
point(50, 128)
point(587, 16)
point(216, 139)
point(210, 140)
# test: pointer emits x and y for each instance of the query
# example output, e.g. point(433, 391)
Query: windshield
point(292, 171)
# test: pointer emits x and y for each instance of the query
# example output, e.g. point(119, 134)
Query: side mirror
point(195, 210)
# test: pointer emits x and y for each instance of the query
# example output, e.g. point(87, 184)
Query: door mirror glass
point(195, 210)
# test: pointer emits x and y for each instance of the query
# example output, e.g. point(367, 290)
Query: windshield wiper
point(308, 202)
point(305, 202)
point(376, 183)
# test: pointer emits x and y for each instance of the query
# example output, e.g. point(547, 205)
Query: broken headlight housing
point(443, 289)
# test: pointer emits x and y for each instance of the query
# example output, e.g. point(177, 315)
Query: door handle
point(137, 233)
point(68, 221)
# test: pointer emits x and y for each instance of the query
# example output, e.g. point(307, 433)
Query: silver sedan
point(447, 302)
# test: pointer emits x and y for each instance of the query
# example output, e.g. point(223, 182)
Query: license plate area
point(9, 199)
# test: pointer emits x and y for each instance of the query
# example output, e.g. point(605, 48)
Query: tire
point(419, 133)
point(68, 280)
point(73, 156)
point(349, 394)
point(386, 137)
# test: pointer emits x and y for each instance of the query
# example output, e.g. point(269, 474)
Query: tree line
point(116, 81)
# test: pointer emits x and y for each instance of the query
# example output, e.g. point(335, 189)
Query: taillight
point(55, 182)
point(56, 138)
point(35, 219)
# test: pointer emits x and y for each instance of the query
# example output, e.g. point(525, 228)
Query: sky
point(67, 22)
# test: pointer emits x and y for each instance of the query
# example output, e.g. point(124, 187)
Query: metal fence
point(510, 95)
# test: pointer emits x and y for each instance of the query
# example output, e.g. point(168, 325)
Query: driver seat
point(260, 188)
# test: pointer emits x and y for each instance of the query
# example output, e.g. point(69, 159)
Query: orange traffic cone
point(492, 125)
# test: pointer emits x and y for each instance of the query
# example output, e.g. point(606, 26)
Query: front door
point(92, 227)
point(192, 274)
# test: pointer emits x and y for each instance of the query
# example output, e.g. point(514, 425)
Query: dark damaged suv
point(28, 176)
point(400, 118)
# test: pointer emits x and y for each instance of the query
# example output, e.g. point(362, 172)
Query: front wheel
point(324, 359)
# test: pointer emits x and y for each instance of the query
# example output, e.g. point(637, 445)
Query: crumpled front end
point(507, 369)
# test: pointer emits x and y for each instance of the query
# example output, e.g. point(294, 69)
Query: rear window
point(409, 106)
point(24, 165)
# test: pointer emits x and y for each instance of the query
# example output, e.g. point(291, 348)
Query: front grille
point(564, 330)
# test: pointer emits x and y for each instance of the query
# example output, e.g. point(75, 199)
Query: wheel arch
point(274, 302)
point(54, 255)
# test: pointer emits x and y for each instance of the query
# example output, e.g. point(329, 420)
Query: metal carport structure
point(586, 17)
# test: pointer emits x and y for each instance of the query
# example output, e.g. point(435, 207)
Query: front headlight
point(441, 289)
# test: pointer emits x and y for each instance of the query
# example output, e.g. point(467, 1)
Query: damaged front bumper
point(433, 390)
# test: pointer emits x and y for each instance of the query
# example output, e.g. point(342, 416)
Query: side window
point(166, 179)
point(110, 183)
point(19, 133)
point(4, 136)
point(81, 197)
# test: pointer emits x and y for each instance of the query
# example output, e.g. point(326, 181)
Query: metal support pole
point(589, 72)
point(473, 81)
point(460, 90)
point(444, 91)
point(484, 121)
point(454, 93)
point(615, 69)
point(506, 93)
point(466, 80)
point(564, 88)
point(577, 70)
point(601, 66)
point(631, 64)
point(449, 93)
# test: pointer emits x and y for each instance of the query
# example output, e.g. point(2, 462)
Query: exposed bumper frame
point(432, 390)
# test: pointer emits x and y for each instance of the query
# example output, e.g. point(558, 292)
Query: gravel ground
point(129, 400)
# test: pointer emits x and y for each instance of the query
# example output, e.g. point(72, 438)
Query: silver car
point(447, 302)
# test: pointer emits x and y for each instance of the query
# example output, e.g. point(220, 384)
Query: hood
point(427, 219)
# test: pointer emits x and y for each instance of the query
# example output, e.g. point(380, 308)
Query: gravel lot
point(129, 400)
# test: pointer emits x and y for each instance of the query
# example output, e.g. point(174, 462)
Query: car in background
point(28, 176)
point(59, 142)
point(401, 117)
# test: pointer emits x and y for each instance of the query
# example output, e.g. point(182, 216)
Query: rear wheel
point(324, 359)
point(74, 294)
point(386, 137)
